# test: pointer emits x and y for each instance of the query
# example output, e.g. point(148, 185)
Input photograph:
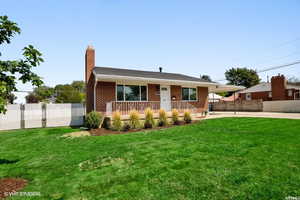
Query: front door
point(165, 97)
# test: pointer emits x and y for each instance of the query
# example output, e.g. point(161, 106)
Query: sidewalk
point(217, 114)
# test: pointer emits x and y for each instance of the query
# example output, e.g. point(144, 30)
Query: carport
point(226, 88)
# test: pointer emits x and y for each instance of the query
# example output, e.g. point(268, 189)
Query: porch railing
point(181, 106)
point(125, 107)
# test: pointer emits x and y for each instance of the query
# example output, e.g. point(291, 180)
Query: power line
point(279, 66)
point(274, 67)
point(278, 58)
point(272, 48)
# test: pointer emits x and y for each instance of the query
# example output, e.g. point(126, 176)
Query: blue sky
point(191, 37)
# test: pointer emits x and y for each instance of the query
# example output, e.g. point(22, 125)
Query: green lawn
point(229, 158)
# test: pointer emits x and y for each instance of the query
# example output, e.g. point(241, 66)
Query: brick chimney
point(89, 62)
point(89, 77)
point(278, 87)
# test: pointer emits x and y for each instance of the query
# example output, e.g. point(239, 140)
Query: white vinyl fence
point(33, 115)
point(292, 106)
point(12, 118)
point(42, 115)
point(64, 114)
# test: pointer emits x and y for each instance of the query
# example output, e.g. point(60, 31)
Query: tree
point(68, 94)
point(11, 98)
point(43, 93)
point(205, 77)
point(13, 70)
point(31, 98)
point(79, 85)
point(242, 77)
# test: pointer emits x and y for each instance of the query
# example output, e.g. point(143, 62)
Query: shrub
point(126, 127)
point(149, 119)
point(162, 118)
point(134, 119)
point(175, 116)
point(187, 117)
point(93, 120)
point(116, 121)
point(106, 123)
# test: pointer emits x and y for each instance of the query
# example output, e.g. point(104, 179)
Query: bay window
point(131, 93)
point(189, 94)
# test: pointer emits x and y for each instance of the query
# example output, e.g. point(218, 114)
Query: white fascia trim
point(226, 88)
point(104, 76)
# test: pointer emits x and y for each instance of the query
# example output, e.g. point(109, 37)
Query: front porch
point(125, 107)
point(124, 94)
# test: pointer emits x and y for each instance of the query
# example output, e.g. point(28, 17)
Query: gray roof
point(145, 74)
point(265, 87)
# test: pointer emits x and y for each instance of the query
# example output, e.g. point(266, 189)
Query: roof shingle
point(145, 74)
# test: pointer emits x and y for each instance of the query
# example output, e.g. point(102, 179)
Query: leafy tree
point(68, 94)
point(13, 70)
point(43, 93)
point(11, 98)
point(242, 77)
point(31, 98)
point(79, 85)
point(205, 77)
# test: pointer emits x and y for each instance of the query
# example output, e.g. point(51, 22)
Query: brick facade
point(202, 99)
point(105, 92)
point(257, 95)
point(202, 102)
point(175, 92)
point(279, 91)
point(153, 92)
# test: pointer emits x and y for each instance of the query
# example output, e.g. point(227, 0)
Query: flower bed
point(134, 123)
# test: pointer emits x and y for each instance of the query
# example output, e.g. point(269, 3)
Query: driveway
point(254, 114)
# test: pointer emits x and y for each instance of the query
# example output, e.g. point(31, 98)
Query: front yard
point(228, 158)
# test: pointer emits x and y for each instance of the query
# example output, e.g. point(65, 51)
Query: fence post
point(22, 110)
point(44, 112)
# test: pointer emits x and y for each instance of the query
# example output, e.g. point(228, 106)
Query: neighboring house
point(111, 89)
point(213, 97)
point(278, 89)
point(233, 97)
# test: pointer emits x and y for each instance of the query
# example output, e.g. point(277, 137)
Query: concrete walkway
point(213, 115)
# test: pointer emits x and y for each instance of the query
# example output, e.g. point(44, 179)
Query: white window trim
point(189, 94)
point(116, 92)
point(250, 97)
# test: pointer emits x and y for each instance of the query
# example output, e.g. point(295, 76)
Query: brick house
point(110, 89)
point(278, 89)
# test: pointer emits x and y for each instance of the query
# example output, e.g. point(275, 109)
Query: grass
point(229, 158)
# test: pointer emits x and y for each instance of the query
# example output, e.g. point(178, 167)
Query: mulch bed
point(10, 185)
point(102, 131)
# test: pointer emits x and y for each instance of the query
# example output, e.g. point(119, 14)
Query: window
point(248, 96)
point(157, 90)
point(143, 93)
point(189, 94)
point(290, 93)
point(131, 93)
point(120, 93)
